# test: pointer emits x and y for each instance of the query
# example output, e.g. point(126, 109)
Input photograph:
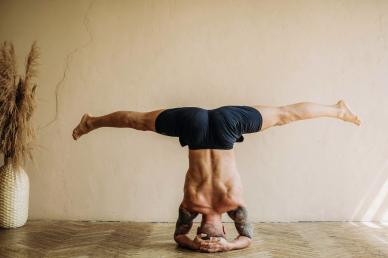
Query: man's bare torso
point(212, 184)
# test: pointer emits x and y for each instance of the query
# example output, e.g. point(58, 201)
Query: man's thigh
point(271, 116)
point(150, 118)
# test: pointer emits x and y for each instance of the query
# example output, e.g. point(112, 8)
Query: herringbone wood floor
point(123, 239)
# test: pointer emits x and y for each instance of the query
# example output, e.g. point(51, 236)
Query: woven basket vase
point(14, 197)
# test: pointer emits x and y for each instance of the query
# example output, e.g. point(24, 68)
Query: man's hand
point(215, 244)
point(198, 241)
point(186, 242)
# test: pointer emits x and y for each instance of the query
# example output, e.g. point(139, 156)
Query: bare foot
point(346, 114)
point(83, 127)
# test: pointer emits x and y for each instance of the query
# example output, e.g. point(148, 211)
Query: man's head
point(212, 227)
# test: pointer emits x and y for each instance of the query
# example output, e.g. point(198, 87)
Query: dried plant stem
point(17, 103)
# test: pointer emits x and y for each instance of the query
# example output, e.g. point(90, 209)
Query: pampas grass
point(17, 104)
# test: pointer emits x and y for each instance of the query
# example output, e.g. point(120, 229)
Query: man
point(213, 186)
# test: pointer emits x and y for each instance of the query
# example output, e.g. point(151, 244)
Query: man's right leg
point(144, 121)
point(276, 116)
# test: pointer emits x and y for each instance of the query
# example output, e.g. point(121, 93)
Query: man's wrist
point(229, 246)
point(195, 246)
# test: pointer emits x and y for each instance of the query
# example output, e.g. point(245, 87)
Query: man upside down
point(213, 185)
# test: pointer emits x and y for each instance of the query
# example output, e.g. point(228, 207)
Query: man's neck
point(211, 218)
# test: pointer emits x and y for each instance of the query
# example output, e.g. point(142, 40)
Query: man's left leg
point(144, 121)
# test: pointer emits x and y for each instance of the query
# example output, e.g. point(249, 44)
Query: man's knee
point(148, 120)
point(286, 115)
point(281, 116)
point(139, 121)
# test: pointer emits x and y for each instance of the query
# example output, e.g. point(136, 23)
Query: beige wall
point(104, 56)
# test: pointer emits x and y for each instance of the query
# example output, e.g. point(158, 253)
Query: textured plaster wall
point(103, 56)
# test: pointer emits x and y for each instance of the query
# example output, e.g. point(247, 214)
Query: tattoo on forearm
point(240, 218)
point(184, 222)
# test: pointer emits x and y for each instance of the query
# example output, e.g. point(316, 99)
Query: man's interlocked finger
point(204, 243)
point(213, 250)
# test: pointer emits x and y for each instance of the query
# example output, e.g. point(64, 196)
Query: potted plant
point(17, 103)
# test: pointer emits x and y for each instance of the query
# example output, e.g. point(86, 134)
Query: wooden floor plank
point(40, 238)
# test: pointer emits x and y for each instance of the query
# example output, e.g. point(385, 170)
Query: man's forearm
point(185, 241)
point(239, 243)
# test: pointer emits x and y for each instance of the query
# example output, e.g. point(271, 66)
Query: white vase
point(14, 196)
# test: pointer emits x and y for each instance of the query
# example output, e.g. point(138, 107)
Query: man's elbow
point(246, 240)
point(249, 241)
point(177, 239)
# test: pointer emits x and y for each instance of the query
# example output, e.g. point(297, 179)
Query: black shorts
point(216, 128)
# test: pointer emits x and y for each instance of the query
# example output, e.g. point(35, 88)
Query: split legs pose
point(272, 116)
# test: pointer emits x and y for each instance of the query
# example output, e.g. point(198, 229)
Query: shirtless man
point(213, 186)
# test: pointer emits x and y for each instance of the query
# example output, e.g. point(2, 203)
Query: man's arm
point(239, 243)
point(244, 228)
point(183, 226)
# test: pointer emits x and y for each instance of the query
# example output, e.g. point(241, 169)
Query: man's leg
point(276, 116)
point(144, 121)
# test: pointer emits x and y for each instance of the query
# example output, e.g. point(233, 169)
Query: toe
point(75, 134)
point(358, 120)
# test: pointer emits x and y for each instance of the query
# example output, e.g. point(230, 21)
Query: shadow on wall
point(373, 204)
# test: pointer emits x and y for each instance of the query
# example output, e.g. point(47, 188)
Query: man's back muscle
point(212, 184)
